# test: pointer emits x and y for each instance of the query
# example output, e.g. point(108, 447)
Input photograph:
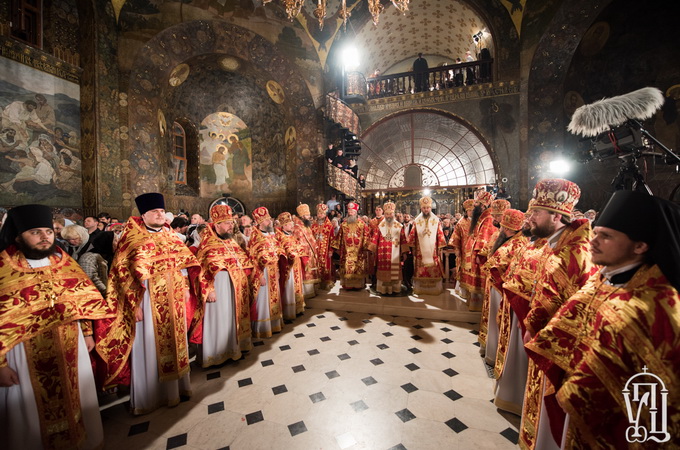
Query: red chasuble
point(494, 268)
point(308, 255)
point(598, 340)
point(352, 241)
point(41, 308)
point(265, 252)
point(562, 271)
point(216, 255)
point(473, 280)
point(323, 234)
point(157, 258)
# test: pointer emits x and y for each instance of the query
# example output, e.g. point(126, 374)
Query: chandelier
point(293, 8)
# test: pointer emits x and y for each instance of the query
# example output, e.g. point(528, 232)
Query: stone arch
point(448, 150)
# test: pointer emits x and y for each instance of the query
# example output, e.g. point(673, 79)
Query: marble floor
point(336, 379)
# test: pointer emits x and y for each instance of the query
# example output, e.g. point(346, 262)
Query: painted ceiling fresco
point(433, 27)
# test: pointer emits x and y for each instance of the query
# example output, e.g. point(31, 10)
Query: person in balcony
point(470, 71)
point(420, 68)
point(339, 159)
point(352, 168)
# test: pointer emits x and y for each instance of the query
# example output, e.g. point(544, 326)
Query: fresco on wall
point(226, 155)
point(40, 158)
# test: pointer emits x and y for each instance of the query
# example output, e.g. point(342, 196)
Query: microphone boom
point(603, 115)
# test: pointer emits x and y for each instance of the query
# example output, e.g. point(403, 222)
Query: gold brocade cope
point(216, 255)
point(40, 307)
point(561, 271)
point(158, 259)
point(352, 241)
point(323, 234)
point(473, 279)
point(294, 250)
point(265, 252)
point(636, 326)
point(33, 301)
point(495, 266)
point(308, 253)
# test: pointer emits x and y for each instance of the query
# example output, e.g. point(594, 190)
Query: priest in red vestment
point(389, 246)
point(265, 252)
point(48, 397)
point(322, 228)
point(352, 243)
point(145, 345)
point(223, 315)
point(563, 267)
point(481, 232)
point(308, 257)
point(611, 351)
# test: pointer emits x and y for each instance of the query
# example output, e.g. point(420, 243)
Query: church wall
point(284, 125)
point(607, 55)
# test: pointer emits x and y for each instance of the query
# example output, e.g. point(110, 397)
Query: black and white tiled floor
point(334, 380)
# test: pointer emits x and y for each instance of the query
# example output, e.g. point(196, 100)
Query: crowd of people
point(571, 309)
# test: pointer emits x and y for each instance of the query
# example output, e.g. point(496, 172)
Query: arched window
point(179, 146)
point(425, 148)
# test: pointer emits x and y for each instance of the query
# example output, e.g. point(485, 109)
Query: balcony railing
point(339, 112)
point(342, 181)
point(437, 78)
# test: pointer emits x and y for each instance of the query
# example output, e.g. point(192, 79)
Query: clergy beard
point(321, 221)
point(32, 253)
point(269, 229)
point(352, 219)
point(526, 232)
point(226, 236)
point(500, 240)
point(426, 216)
point(307, 222)
point(389, 222)
point(476, 213)
point(543, 231)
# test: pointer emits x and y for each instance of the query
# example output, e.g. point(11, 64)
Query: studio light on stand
point(560, 166)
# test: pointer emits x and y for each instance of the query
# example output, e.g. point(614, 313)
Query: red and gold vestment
point(216, 255)
point(457, 241)
point(562, 270)
point(323, 234)
point(495, 267)
point(265, 252)
point(599, 339)
point(473, 279)
point(294, 251)
point(352, 241)
point(308, 256)
point(156, 258)
point(388, 244)
point(41, 307)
